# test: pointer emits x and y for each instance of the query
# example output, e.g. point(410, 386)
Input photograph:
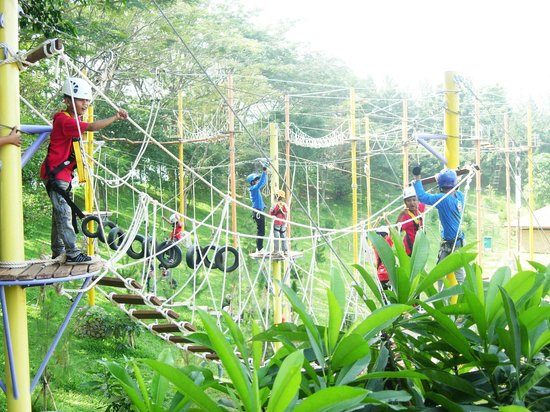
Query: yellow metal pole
point(287, 166)
point(452, 130)
point(11, 214)
point(367, 172)
point(508, 189)
point(181, 159)
point(89, 194)
point(405, 141)
point(478, 183)
point(530, 178)
point(232, 174)
point(278, 310)
point(354, 176)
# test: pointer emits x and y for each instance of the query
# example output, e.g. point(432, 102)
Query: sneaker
point(81, 258)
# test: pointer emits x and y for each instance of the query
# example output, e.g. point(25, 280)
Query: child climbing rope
point(280, 211)
point(257, 183)
point(57, 168)
point(411, 217)
point(450, 209)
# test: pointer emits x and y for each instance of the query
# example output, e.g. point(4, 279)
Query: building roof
point(541, 219)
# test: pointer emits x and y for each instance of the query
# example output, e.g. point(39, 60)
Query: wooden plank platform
point(118, 282)
point(292, 255)
point(153, 314)
point(44, 270)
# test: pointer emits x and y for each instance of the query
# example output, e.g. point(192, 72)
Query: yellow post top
point(452, 121)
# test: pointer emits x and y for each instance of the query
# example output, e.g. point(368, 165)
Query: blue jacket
point(256, 195)
point(450, 210)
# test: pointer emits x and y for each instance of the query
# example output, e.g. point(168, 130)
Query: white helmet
point(383, 230)
point(173, 218)
point(409, 192)
point(77, 88)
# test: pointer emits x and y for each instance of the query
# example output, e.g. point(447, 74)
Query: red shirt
point(410, 228)
point(381, 270)
point(176, 232)
point(279, 210)
point(65, 128)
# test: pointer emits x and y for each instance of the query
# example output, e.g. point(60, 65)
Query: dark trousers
point(260, 229)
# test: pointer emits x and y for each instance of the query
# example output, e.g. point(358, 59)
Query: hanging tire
point(88, 233)
point(169, 255)
point(103, 230)
point(115, 238)
point(193, 256)
point(141, 251)
point(221, 261)
point(209, 264)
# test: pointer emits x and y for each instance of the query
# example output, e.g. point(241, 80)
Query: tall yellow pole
point(452, 121)
point(405, 141)
point(478, 183)
point(354, 176)
point(452, 129)
point(232, 174)
point(530, 178)
point(367, 171)
point(11, 214)
point(508, 189)
point(180, 158)
point(89, 194)
point(278, 312)
point(287, 166)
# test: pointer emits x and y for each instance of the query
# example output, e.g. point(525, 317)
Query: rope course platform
point(44, 272)
point(275, 255)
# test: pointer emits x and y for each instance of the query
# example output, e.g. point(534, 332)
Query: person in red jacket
point(57, 168)
point(280, 211)
point(411, 218)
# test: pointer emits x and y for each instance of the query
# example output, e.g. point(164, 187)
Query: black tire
point(103, 230)
point(115, 238)
point(220, 259)
point(85, 221)
point(141, 252)
point(192, 257)
point(204, 256)
point(169, 255)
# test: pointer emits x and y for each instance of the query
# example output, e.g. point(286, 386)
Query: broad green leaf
point(379, 319)
point(256, 362)
point(402, 257)
point(338, 287)
point(513, 328)
point(391, 396)
point(448, 265)
point(541, 342)
point(312, 331)
point(444, 402)
point(403, 280)
point(233, 366)
point(128, 384)
point(406, 374)
point(371, 283)
point(420, 254)
point(350, 372)
point(159, 384)
point(477, 312)
point(336, 398)
point(237, 334)
point(184, 384)
point(286, 383)
point(453, 381)
point(540, 372)
point(350, 349)
point(334, 321)
point(449, 332)
point(141, 385)
point(385, 253)
point(512, 408)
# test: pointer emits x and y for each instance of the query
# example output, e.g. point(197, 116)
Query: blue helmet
point(251, 177)
point(447, 179)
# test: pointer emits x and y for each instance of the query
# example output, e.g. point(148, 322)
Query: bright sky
point(490, 41)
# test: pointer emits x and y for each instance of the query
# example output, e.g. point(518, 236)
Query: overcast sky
point(490, 41)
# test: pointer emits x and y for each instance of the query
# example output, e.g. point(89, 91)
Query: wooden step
point(189, 327)
point(153, 314)
point(166, 327)
point(135, 300)
point(178, 339)
point(198, 348)
point(117, 282)
point(212, 356)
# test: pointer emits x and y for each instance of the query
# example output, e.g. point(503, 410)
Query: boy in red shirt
point(280, 211)
point(57, 168)
point(412, 216)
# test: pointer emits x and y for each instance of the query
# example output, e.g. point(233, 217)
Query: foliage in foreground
point(487, 351)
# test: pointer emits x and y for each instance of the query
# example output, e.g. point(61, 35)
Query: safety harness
point(417, 220)
point(51, 184)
